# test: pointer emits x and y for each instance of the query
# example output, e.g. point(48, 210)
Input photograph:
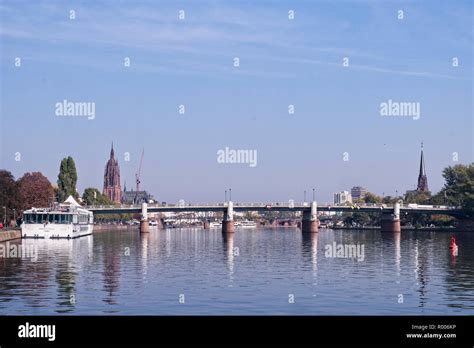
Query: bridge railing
point(277, 204)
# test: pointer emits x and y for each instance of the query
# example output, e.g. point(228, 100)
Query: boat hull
point(56, 231)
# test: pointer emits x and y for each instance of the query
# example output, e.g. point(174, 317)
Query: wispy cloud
point(212, 35)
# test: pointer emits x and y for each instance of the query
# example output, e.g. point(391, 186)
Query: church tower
point(422, 179)
point(112, 188)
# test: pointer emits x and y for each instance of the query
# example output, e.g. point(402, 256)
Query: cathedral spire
point(422, 163)
point(112, 188)
point(422, 178)
point(112, 154)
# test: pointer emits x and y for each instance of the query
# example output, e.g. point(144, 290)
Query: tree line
point(457, 191)
point(35, 190)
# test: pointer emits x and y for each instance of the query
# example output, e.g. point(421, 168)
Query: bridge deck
point(263, 208)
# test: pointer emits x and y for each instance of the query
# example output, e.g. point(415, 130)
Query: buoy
point(454, 246)
point(453, 243)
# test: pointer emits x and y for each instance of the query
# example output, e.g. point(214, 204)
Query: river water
point(254, 271)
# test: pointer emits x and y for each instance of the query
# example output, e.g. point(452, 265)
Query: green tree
point(371, 198)
point(9, 195)
point(459, 187)
point(417, 197)
point(269, 216)
point(67, 179)
point(92, 196)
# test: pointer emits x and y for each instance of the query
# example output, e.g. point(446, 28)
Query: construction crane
point(137, 177)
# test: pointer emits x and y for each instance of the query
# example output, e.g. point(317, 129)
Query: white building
point(342, 197)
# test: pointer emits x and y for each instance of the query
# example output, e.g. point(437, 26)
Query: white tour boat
point(65, 220)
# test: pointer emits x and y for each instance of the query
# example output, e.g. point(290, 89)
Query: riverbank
point(12, 234)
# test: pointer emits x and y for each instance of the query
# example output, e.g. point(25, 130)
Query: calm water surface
point(251, 272)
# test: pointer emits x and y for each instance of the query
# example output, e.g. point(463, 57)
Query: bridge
point(390, 221)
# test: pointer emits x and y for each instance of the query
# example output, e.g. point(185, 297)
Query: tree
point(358, 219)
point(35, 190)
point(417, 197)
point(371, 198)
point(92, 196)
point(67, 179)
point(459, 187)
point(9, 195)
point(269, 216)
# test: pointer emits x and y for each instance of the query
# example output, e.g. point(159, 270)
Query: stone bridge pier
point(144, 225)
point(390, 222)
point(228, 222)
point(309, 223)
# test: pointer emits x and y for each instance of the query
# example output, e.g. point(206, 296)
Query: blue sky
point(282, 62)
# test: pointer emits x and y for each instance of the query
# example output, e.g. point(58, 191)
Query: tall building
point(135, 197)
point(342, 197)
point(422, 178)
point(112, 188)
point(358, 192)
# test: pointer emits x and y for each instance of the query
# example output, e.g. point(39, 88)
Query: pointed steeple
point(422, 178)
point(112, 178)
point(422, 163)
point(112, 154)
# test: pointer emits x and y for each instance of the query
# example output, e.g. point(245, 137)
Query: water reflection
point(95, 275)
point(310, 249)
point(111, 273)
point(144, 241)
point(398, 255)
point(229, 252)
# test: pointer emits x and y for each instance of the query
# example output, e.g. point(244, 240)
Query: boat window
point(50, 218)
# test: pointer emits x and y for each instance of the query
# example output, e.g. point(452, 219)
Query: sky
point(335, 139)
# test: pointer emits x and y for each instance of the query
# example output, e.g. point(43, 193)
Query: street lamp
point(304, 196)
point(14, 216)
point(4, 216)
point(225, 200)
point(314, 194)
point(230, 194)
